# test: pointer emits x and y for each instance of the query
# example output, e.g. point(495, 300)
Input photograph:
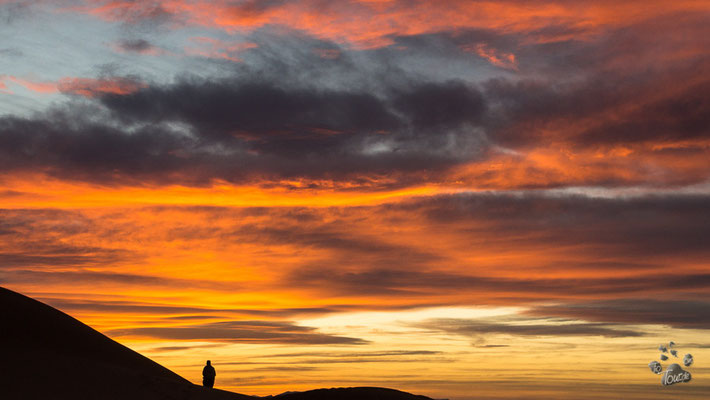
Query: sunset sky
point(457, 198)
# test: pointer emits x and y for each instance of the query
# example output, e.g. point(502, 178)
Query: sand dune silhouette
point(46, 354)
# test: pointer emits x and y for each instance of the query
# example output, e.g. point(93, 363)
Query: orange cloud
point(460, 249)
point(39, 87)
point(368, 24)
point(495, 57)
point(90, 87)
point(35, 190)
point(561, 166)
point(87, 87)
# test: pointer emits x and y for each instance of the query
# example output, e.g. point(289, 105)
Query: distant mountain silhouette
point(48, 355)
point(359, 393)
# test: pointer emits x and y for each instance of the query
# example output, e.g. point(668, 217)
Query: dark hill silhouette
point(48, 355)
point(359, 393)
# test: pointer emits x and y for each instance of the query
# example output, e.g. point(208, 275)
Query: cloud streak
point(477, 327)
point(242, 332)
point(689, 314)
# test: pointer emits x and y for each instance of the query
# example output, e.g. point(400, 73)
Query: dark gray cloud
point(171, 348)
point(408, 112)
point(254, 128)
point(358, 360)
point(198, 313)
point(432, 106)
point(135, 45)
point(476, 327)
point(690, 314)
point(346, 131)
point(612, 90)
point(401, 282)
point(632, 227)
point(88, 277)
point(241, 130)
point(86, 150)
point(227, 108)
point(368, 354)
point(528, 110)
point(242, 332)
point(60, 256)
point(285, 368)
point(125, 307)
point(680, 115)
point(179, 348)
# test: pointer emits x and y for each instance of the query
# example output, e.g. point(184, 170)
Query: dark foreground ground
point(48, 355)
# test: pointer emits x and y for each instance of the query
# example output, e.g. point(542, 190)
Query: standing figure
point(208, 374)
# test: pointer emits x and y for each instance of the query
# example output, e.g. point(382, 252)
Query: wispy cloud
point(525, 328)
point(241, 331)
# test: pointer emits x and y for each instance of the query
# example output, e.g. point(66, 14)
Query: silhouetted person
point(208, 374)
